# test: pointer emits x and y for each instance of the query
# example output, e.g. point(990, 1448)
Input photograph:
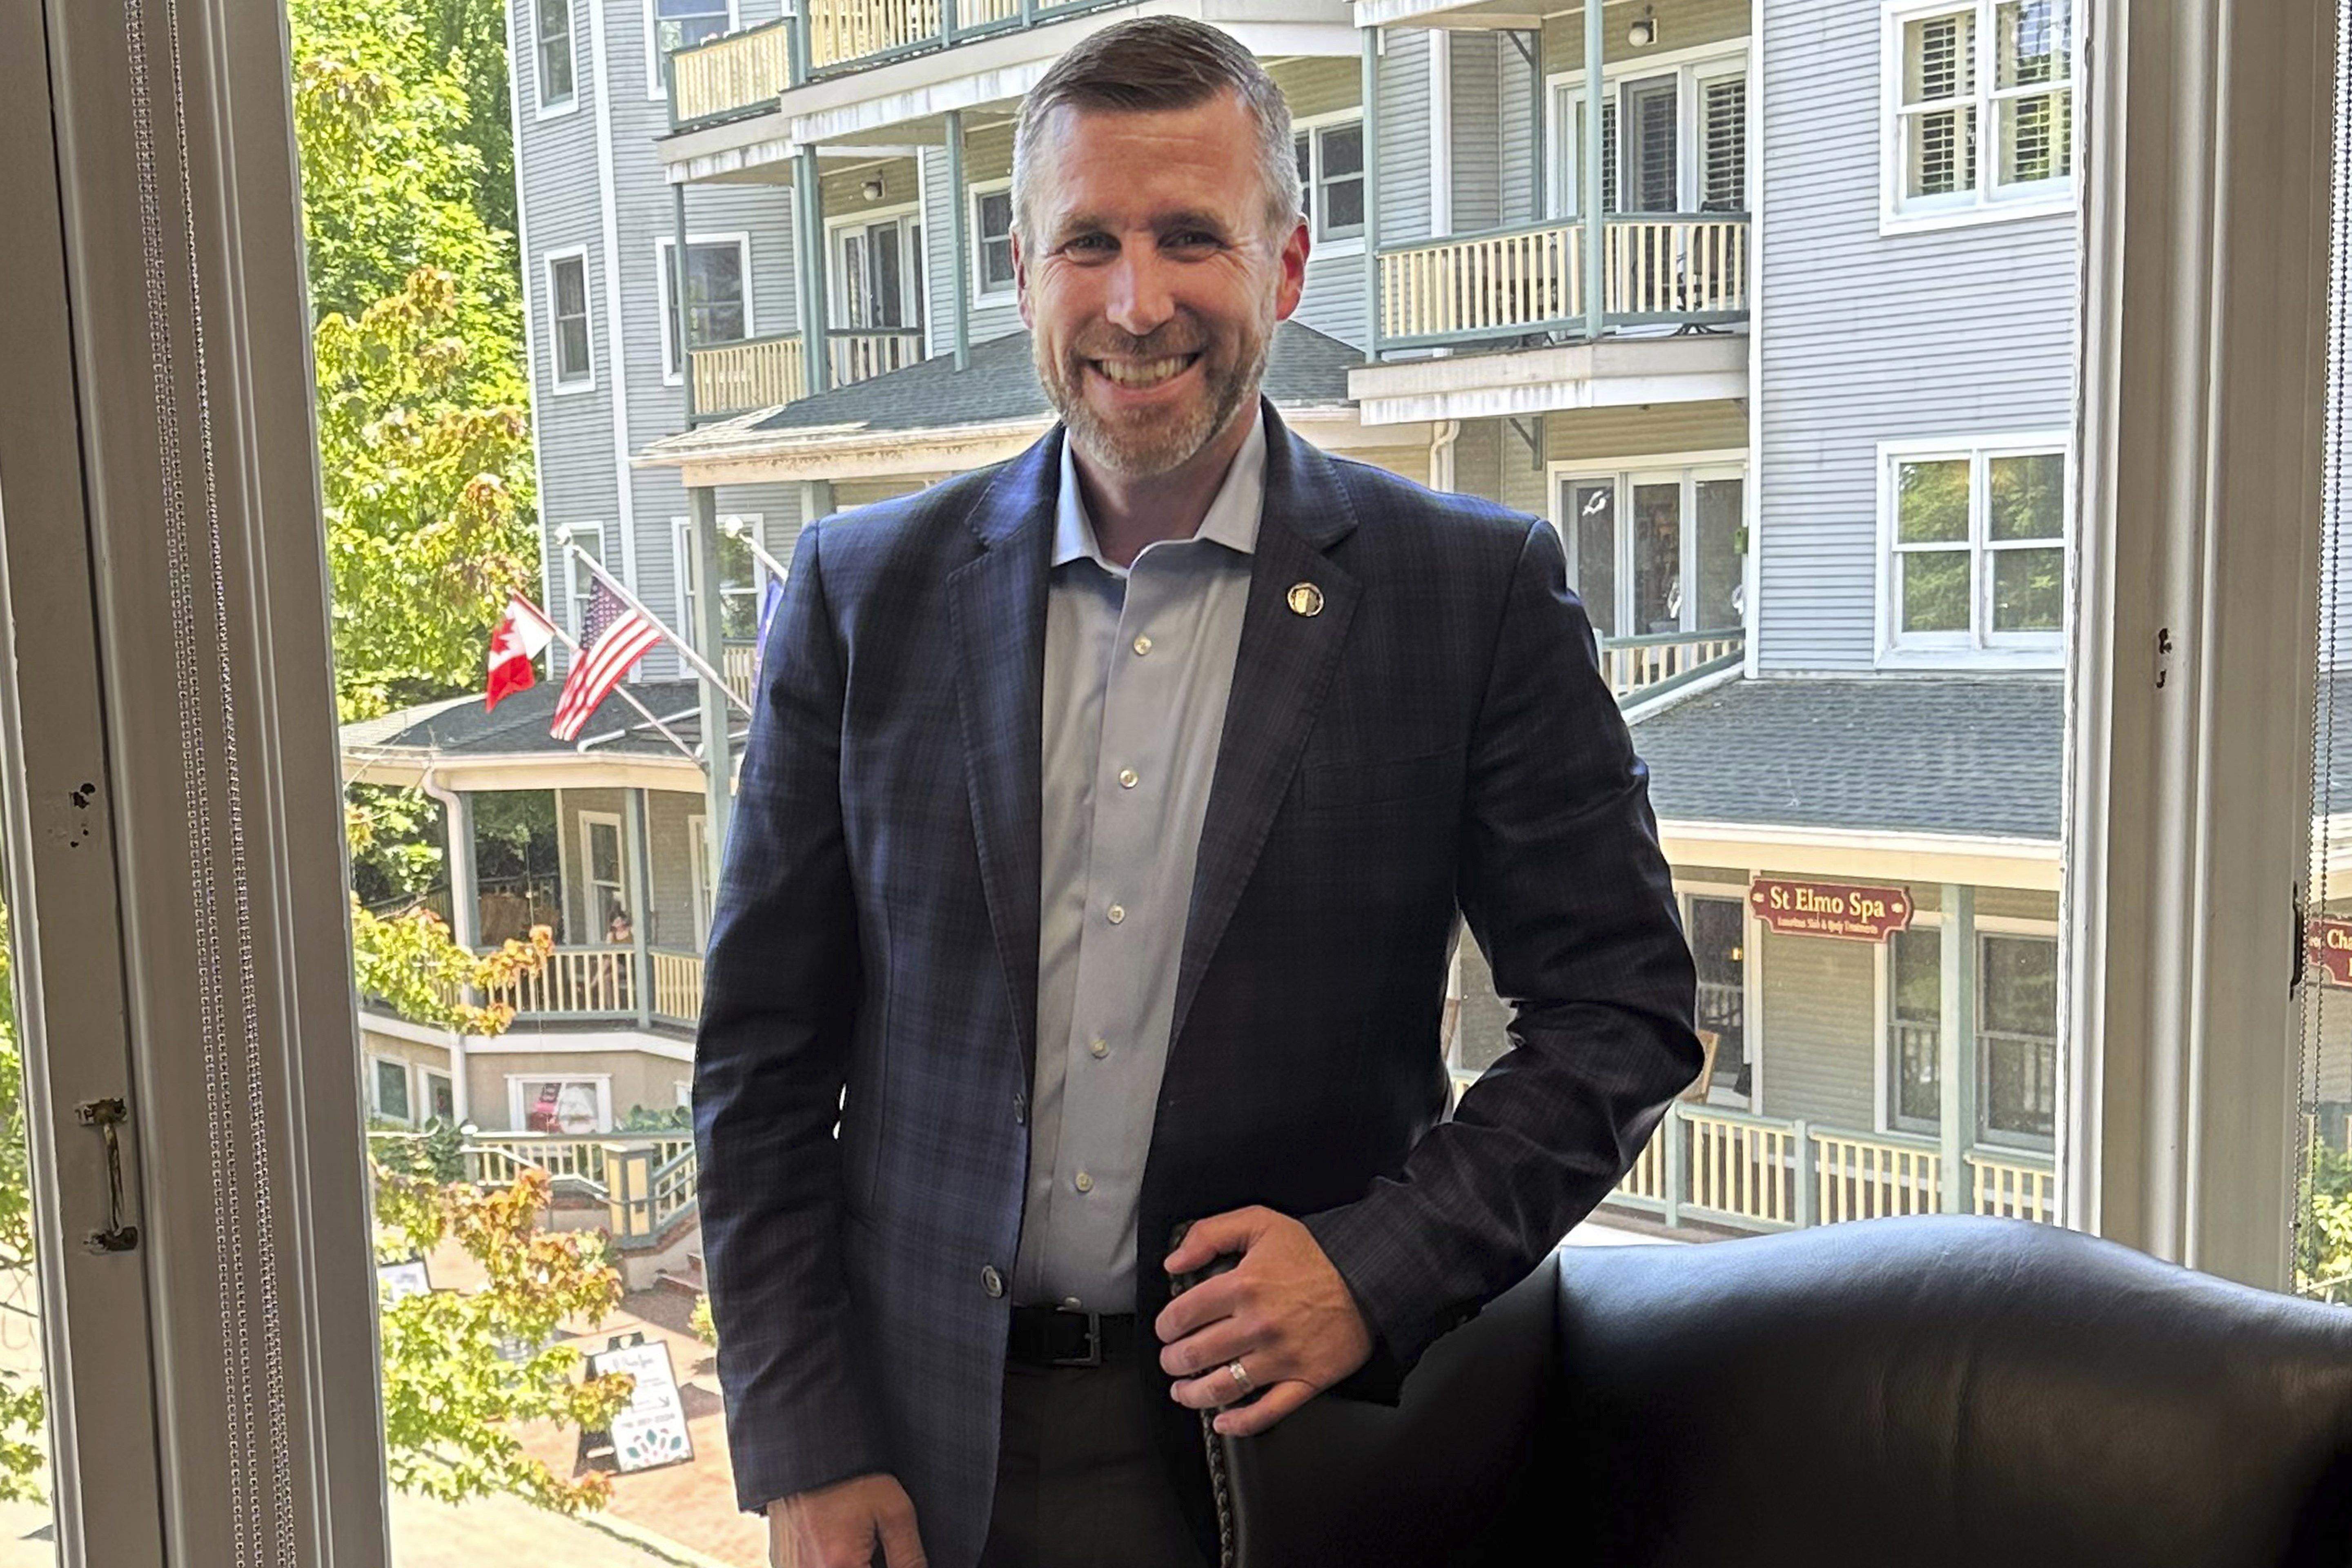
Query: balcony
point(1686, 269)
point(1754, 1173)
point(1640, 669)
point(580, 984)
point(769, 371)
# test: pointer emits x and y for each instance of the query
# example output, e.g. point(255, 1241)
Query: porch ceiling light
point(871, 190)
point(1645, 31)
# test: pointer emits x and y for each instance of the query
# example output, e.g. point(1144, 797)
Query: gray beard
point(1142, 452)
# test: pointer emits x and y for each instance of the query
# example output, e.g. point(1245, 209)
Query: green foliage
point(705, 1327)
point(452, 1401)
point(412, 965)
point(22, 1411)
point(395, 838)
point(2323, 1267)
point(656, 1119)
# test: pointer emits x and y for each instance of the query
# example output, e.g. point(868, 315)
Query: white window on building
point(388, 1084)
point(718, 294)
point(991, 221)
point(1717, 929)
point(673, 25)
point(1979, 119)
point(1687, 146)
point(1331, 178)
point(741, 578)
point(1915, 1028)
point(1655, 551)
point(579, 580)
point(2016, 1005)
point(574, 367)
point(610, 909)
point(571, 1106)
point(440, 1097)
point(1975, 552)
point(555, 56)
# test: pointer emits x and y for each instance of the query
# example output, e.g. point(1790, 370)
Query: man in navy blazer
point(1101, 837)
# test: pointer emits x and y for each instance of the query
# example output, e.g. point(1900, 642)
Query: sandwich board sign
point(651, 1432)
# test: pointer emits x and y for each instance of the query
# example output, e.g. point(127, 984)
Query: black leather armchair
point(1928, 1393)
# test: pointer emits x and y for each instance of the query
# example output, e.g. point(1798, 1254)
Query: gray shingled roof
point(518, 727)
point(1304, 369)
point(1963, 755)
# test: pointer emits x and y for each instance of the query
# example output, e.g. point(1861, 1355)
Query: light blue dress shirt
point(1139, 665)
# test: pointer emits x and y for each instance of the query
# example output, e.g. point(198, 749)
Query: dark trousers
point(1082, 1480)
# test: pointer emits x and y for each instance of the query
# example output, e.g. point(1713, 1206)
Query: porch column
point(816, 499)
point(959, 226)
point(465, 897)
point(1955, 1062)
point(632, 844)
point(709, 635)
point(1371, 93)
point(1590, 182)
point(808, 205)
point(677, 299)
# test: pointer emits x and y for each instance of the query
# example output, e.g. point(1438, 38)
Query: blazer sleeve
point(780, 1003)
point(1562, 880)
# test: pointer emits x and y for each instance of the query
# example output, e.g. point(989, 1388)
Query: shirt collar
point(1231, 519)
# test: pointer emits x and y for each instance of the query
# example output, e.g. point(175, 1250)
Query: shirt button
point(1142, 646)
point(1116, 913)
point(1084, 1182)
point(990, 1280)
point(1129, 778)
point(1102, 1048)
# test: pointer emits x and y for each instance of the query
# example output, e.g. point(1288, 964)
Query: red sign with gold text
point(1831, 909)
point(2329, 943)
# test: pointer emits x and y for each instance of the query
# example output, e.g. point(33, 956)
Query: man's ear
point(1021, 279)
point(1294, 271)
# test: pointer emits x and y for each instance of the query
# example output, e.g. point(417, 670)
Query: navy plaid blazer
point(1439, 737)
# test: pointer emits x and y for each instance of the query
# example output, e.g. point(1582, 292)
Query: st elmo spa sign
point(1831, 909)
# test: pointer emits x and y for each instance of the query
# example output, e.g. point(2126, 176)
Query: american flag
point(614, 637)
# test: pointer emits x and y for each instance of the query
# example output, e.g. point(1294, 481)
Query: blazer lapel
point(1284, 667)
point(997, 605)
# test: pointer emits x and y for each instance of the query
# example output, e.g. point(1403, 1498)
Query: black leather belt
point(1057, 1336)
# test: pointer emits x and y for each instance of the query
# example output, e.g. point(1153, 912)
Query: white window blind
point(1723, 178)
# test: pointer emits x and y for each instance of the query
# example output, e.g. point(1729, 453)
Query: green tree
point(22, 1412)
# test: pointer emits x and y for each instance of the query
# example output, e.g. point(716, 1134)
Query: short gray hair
point(1158, 63)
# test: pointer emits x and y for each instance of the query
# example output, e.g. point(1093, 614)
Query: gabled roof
point(1971, 756)
point(456, 739)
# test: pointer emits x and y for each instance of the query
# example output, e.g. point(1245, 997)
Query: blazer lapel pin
point(1305, 599)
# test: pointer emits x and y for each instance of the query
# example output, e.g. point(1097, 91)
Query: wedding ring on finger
point(1242, 1381)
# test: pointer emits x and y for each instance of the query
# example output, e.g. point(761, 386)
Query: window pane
point(1941, 155)
point(391, 1091)
point(1658, 558)
point(1592, 523)
point(2030, 42)
point(1721, 513)
point(1931, 502)
point(681, 24)
point(571, 287)
point(1652, 107)
point(1915, 968)
point(441, 1098)
point(554, 50)
point(2018, 1012)
point(1939, 58)
point(2027, 590)
point(1343, 151)
point(2028, 497)
point(604, 852)
point(553, 1106)
point(714, 275)
point(1343, 202)
point(1723, 182)
point(572, 349)
point(2036, 138)
point(1935, 590)
point(2020, 985)
point(1718, 934)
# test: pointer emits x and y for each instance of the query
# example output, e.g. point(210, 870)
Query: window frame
point(681, 544)
point(657, 78)
point(982, 291)
point(427, 1076)
point(911, 273)
point(1980, 926)
point(1693, 69)
point(543, 106)
point(591, 537)
point(376, 1066)
point(592, 929)
point(1312, 131)
point(600, 1082)
point(1985, 201)
point(663, 246)
point(548, 261)
point(1885, 1086)
point(1980, 646)
point(1691, 470)
point(1751, 995)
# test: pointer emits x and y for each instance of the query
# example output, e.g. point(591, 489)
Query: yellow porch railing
point(758, 372)
point(1740, 1167)
point(737, 664)
point(576, 980)
point(1667, 266)
point(678, 986)
point(2013, 1187)
point(1504, 281)
point(1646, 1180)
point(840, 31)
point(1865, 1178)
point(731, 74)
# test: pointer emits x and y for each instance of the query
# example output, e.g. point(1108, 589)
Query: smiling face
point(1151, 279)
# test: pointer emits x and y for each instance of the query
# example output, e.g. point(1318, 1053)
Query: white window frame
point(1694, 68)
point(1882, 1009)
point(592, 929)
point(982, 291)
point(602, 1082)
point(1980, 648)
point(375, 1065)
point(593, 538)
point(681, 546)
point(425, 1077)
point(698, 876)
point(548, 262)
point(1985, 202)
point(1751, 995)
point(543, 106)
point(1691, 468)
point(657, 89)
point(912, 239)
point(1314, 129)
point(741, 240)
point(1883, 1076)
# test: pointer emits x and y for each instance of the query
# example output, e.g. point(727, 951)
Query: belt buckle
point(1093, 1356)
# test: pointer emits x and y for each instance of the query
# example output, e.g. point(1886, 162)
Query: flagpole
point(734, 529)
point(683, 647)
point(572, 643)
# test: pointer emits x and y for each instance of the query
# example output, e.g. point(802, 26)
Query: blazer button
point(1021, 1110)
point(990, 1280)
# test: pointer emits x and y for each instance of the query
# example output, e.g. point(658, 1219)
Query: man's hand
point(839, 1526)
point(1283, 1312)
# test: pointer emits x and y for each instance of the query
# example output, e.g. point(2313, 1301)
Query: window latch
point(107, 1115)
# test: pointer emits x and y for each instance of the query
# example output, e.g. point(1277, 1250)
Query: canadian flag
point(522, 636)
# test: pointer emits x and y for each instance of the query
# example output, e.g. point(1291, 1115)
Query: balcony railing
point(647, 1183)
point(1506, 283)
point(769, 371)
point(1641, 668)
point(736, 663)
point(731, 74)
point(603, 983)
point(1754, 1173)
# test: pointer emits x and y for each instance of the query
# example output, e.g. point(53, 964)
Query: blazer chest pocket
point(1345, 786)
